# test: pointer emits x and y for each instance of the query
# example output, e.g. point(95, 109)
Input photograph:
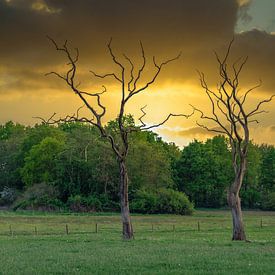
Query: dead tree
point(129, 79)
point(232, 117)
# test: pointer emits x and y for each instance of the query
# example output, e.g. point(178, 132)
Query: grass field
point(37, 243)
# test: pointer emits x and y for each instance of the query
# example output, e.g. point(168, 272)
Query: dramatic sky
point(197, 28)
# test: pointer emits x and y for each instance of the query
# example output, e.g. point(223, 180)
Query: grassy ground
point(37, 243)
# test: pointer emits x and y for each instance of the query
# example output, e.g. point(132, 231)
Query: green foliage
point(269, 202)
point(144, 202)
point(171, 201)
point(204, 171)
point(149, 166)
point(11, 139)
point(10, 129)
point(84, 204)
point(40, 162)
point(78, 162)
point(7, 196)
point(165, 201)
point(250, 193)
point(39, 197)
point(267, 173)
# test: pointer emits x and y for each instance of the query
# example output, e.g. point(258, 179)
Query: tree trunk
point(234, 202)
point(127, 229)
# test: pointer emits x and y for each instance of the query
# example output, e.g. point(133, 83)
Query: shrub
point(174, 202)
point(39, 197)
point(78, 203)
point(144, 202)
point(107, 204)
point(7, 196)
point(165, 201)
point(269, 202)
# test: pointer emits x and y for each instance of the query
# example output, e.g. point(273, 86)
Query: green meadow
point(45, 243)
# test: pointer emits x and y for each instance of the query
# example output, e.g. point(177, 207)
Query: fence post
point(261, 223)
point(96, 228)
point(174, 228)
point(35, 230)
point(199, 227)
point(67, 229)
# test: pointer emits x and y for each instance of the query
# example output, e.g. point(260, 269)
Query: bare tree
point(232, 117)
point(129, 81)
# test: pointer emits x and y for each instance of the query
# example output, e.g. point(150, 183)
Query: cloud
point(32, 5)
point(195, 27)
point(243, 13)
point(41, 6)
point(166, 27)
point(195, 132)
point(192, 132)
point(259, 46)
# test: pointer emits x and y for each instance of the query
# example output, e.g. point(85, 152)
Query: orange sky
point(196, 28)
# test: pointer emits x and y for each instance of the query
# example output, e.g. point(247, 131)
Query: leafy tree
point(11, 139)
point(267, 173)
point(149, 164)
point(204, 172)
point(40, 163)
point(250, 193)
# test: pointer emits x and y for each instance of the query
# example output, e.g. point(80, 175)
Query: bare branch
point(249, 91)
point(106, 75)
point(259, 105)
point(159, 68)
point(144, 127)
point(211, 129)
point(141, 68)
point(142, 116)
point(113, 56)
point(131, 72)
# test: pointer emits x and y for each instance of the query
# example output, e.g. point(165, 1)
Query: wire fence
point(73, 228)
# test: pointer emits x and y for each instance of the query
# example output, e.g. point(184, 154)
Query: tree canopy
point(80, 167)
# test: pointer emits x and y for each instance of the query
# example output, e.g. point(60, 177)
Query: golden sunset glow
point(196, 28)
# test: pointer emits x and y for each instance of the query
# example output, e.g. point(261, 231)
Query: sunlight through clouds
point(40, 5)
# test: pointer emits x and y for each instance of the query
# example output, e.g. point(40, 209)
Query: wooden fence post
point(67, 229)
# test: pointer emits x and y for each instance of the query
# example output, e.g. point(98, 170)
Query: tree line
point(69, 167)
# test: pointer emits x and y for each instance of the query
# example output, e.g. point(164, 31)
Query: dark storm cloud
point(160, 24)
point(196, 27)
point(259, 46)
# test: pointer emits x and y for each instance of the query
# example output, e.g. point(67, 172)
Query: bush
point(165, 201)
point(174, 202)
point(7, 196)
point(144, 202)
point(108, 205)
point(78, 203)
point(269, 202)
point(39, 197)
